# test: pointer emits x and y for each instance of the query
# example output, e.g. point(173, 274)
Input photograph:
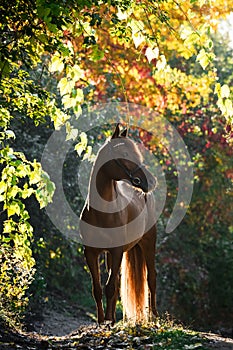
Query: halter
point(136, 181)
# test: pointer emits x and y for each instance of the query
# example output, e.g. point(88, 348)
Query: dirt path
point(57, 323)
point(217, 342)
point(61, 324)
point(64, 331)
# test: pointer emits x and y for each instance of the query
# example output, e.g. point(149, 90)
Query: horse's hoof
point(100, 323)
point(107, 324)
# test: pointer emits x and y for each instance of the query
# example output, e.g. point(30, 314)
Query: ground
point(73, 329)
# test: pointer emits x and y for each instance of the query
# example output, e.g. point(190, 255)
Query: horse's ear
point(124, 133)
point(116, 132)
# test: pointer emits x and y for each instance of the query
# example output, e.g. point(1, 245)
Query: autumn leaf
point(151, 53)
point(225, 91)
point(56, 64)
point(204, 58)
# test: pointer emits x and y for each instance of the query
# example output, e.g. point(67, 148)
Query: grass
point(163, 336)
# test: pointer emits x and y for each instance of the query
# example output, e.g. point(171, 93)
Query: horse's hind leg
point(148, 247)
point(108, 261)
point(92, 255)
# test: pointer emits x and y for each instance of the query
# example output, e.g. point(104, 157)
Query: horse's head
point(127, 162)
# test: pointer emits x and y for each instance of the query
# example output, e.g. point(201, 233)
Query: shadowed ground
point(62, 330)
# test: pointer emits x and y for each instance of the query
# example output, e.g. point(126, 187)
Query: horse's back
point(124, 227)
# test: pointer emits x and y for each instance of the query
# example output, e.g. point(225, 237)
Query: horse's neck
point(101, 185)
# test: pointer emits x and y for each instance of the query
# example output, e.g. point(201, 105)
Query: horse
point(117, 219)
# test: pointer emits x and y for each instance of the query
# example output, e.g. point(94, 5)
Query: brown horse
point(118, 219)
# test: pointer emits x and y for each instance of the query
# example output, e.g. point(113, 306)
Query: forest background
point(60, 59)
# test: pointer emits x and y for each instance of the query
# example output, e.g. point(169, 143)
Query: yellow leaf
point(88, 154)
point(7, 226)
point(81, 146)
point(68, 101)
point(71, 132)
point(13, 209)
point(204, 58)
point(27, 192)
point(191, 39)
point(13, 191)
point(217, 89)
point(202, 2)
point(34, 177)
point(229, 108)
point(79, 95)
point(122, 15)
point(221, 105)
point(23, 170)
point(138, 39)
point(225, 91)
point(151, 53)
point(137, 28)
point(10, 134)
point(56, 64)
point(75, 73)
point(59, 118)
point(77, 111)
point(3, 186)
point(161, 64)
point(2, 197)
point(65, 86)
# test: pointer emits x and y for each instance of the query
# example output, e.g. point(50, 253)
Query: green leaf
point(45, 191)
point(96, 54)
point(43, 11)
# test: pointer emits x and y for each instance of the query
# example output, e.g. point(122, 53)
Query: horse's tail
point(134, 290)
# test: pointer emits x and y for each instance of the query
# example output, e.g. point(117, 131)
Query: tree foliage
point(60, 57)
